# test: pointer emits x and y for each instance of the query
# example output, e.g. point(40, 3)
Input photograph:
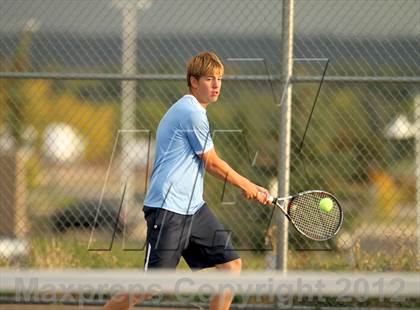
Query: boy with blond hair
point(179, 222)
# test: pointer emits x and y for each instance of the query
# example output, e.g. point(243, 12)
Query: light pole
point(129, 10)
point(417, 168)
point(401, 128)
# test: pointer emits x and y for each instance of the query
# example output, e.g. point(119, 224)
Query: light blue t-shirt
point(176, 182)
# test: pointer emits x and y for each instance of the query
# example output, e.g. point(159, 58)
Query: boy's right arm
point(220, 169)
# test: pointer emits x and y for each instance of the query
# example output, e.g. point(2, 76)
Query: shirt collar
point(196, 102)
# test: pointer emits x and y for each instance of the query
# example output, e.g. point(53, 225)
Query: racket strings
point(310, 219)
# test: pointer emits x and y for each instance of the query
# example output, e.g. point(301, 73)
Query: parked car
point(88, 214)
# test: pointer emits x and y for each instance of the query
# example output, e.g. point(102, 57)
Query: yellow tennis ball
point(326, 204)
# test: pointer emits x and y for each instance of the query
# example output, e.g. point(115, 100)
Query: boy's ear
point(194, 82)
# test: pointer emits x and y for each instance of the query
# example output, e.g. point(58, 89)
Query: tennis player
point(179, 222)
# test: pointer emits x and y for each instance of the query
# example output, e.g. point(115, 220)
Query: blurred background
point(83, 85)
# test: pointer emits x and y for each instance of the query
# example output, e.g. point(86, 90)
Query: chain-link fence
point(83, 85)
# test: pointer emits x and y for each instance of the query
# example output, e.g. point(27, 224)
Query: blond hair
point(204, 64)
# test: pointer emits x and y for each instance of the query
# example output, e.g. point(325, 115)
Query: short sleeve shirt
point(176, 182)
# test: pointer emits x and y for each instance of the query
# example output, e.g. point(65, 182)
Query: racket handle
point(272, 199)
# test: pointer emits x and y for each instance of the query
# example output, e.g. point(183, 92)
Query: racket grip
point(272, 200)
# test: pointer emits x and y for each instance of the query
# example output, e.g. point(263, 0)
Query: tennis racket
point(304, 212)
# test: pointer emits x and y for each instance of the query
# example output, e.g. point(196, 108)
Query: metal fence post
point(285, 130)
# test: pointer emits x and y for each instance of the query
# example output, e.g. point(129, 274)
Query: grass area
point(62, 252)
point(354, 260)
point(71, 251)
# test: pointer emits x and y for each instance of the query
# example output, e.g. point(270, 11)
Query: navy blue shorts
point(200, 238)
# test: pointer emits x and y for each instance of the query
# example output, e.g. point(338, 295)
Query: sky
point(351, 18)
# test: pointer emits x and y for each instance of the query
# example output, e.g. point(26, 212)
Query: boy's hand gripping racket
point(315, 214)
